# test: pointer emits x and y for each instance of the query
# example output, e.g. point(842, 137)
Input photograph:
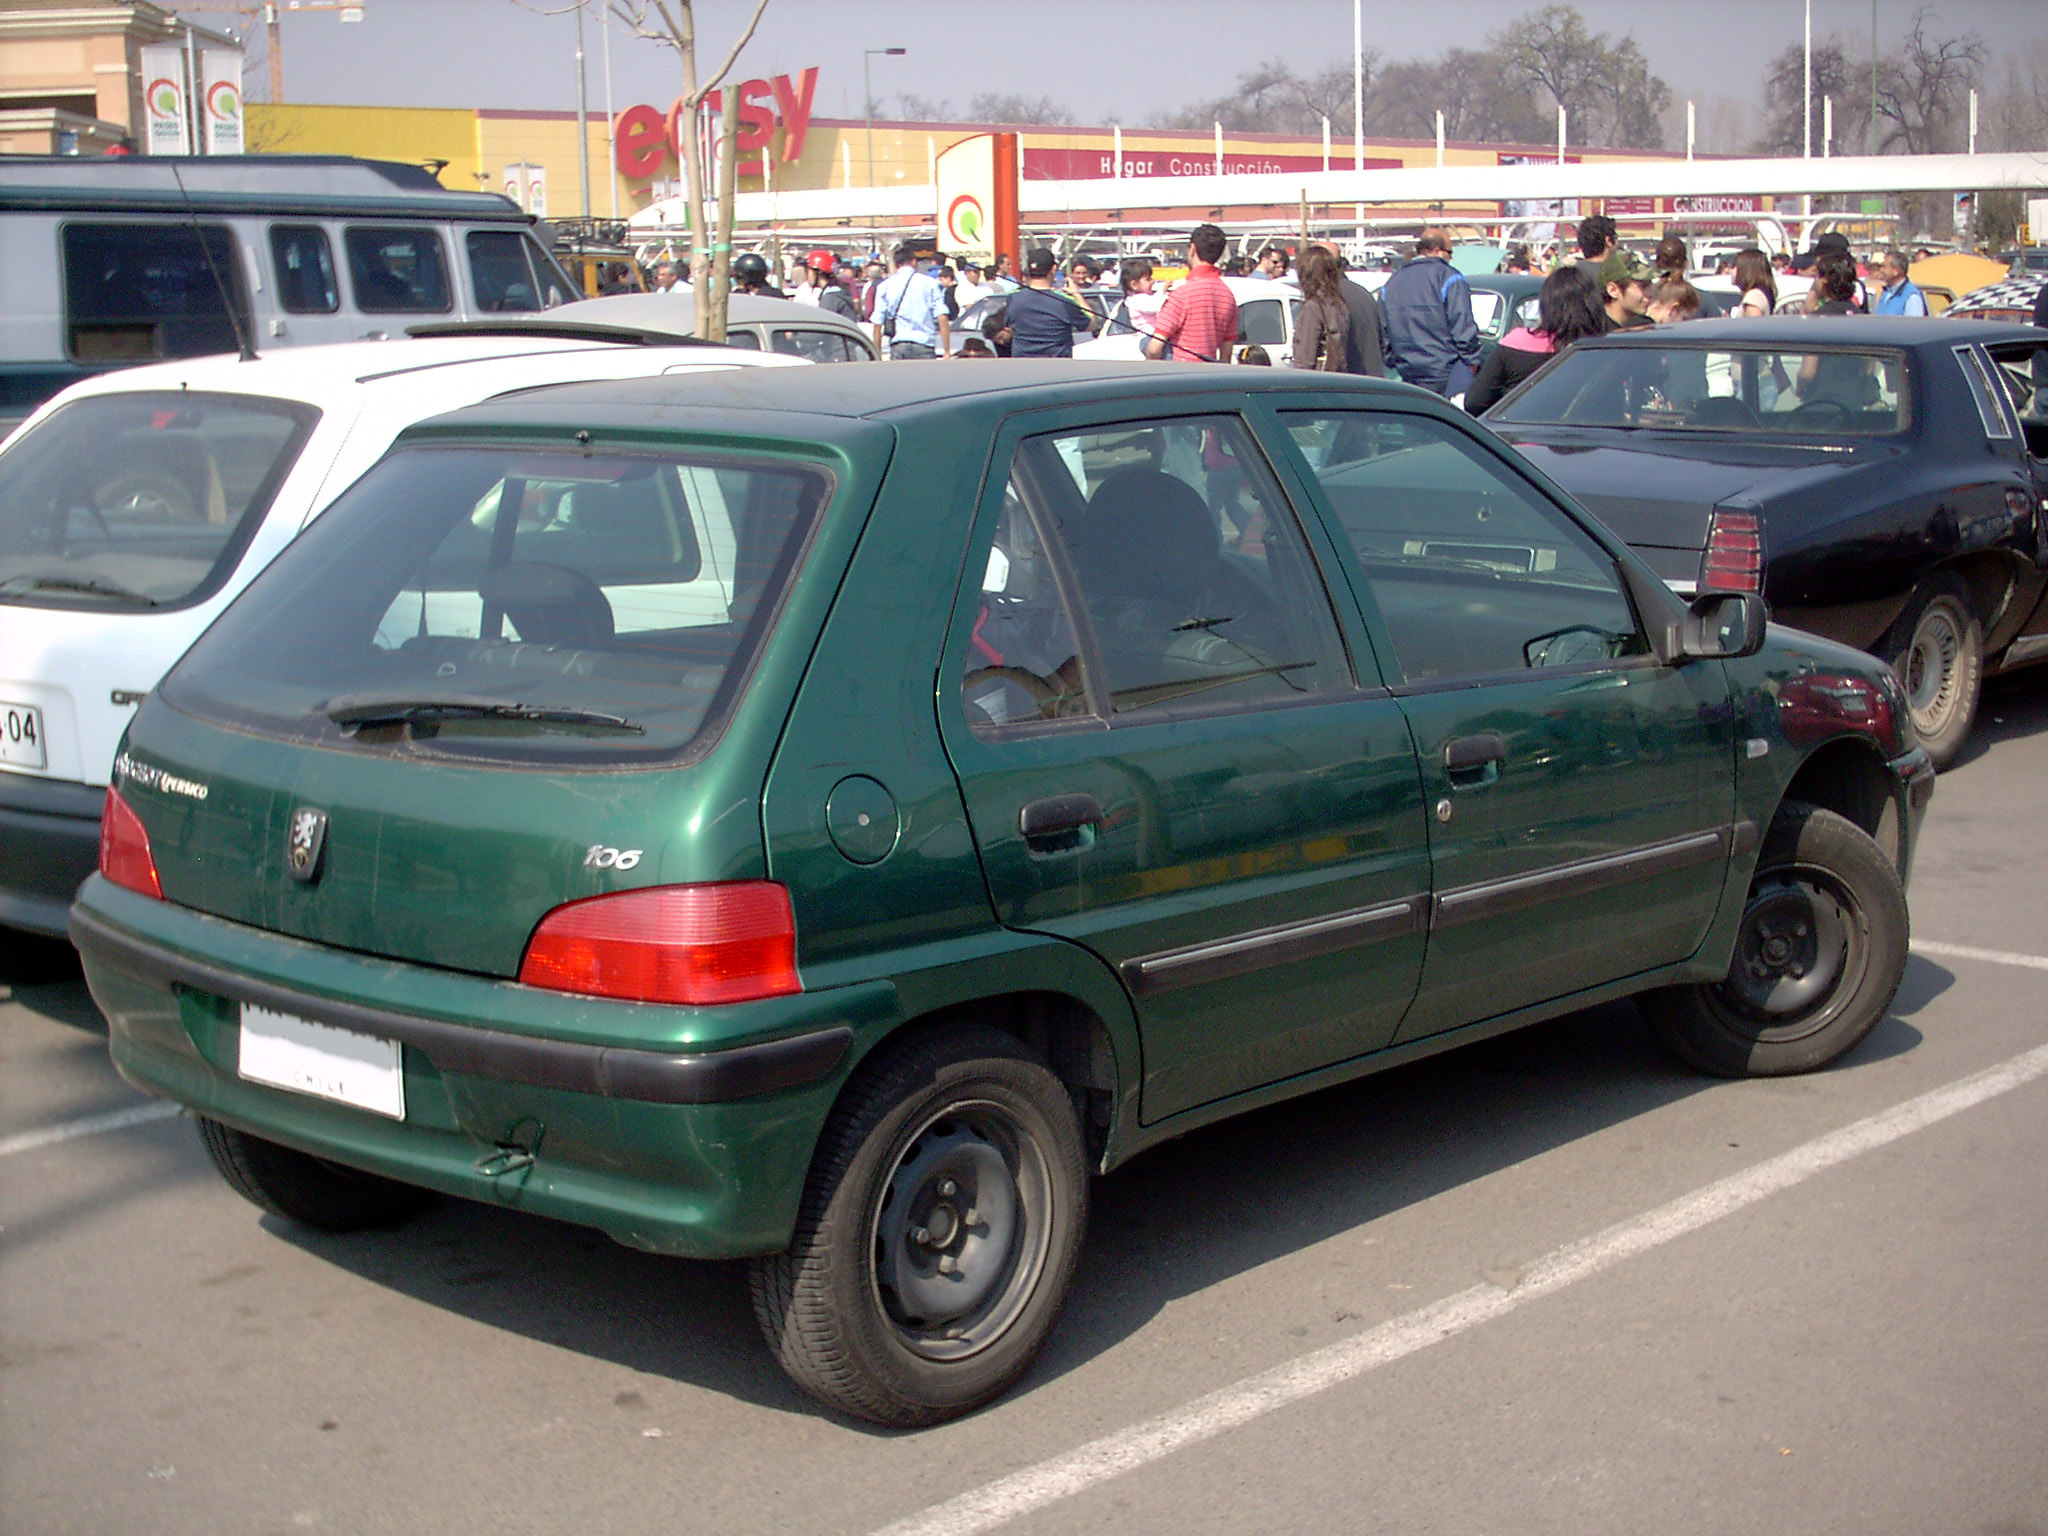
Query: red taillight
point(124, 848)
point(1734, 561)
point(670, 944)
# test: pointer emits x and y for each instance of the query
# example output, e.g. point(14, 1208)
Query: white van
point(121, 260)
point(134, 506)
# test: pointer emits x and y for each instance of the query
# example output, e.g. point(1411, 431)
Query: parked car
point(752, 323)
point(134, 506)
point(2011, 300)
point(113, 261)
point(1266, 308)
point(947, 782)
point(1880, 480)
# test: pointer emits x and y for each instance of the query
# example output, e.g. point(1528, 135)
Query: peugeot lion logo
point(304, 843)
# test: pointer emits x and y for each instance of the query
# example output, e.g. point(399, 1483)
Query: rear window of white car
point(142, 501)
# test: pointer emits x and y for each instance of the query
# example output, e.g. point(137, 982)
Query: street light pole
point(868, 98)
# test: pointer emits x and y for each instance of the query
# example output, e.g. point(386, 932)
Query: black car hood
point(1657, 489)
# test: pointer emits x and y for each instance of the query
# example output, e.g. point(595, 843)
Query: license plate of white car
point(286, 1051)
point(21, 736)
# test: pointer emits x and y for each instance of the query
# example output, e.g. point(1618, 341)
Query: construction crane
point(267, 13)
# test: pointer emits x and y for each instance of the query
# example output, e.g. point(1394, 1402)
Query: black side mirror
point(1721, 626)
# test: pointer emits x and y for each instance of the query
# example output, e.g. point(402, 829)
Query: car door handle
point(1060, 823)
point(1472, 761)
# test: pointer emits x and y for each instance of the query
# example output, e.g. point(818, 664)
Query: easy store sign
point(645, 138)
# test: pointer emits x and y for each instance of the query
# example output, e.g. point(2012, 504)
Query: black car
point(1880, 480)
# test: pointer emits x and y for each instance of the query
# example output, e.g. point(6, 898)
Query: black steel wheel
point(938, 1233)
point(1819, 955)
point(307, 1189)
point(1937, 651)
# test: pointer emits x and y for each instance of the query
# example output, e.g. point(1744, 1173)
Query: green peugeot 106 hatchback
point(824, 816)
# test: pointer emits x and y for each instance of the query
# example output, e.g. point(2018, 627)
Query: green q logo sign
point(966, 222)
point(164, 98)
point(223, 100)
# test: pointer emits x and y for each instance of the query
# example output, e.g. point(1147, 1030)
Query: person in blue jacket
point(1426, 326)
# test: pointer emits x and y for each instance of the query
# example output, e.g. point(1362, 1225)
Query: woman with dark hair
point(1567, 310)
point(1322, 328)
point(1756, 283)
point(1673, 260)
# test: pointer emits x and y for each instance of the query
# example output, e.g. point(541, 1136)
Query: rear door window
point(397, 270)
point(137, 291)
point(815, 346)
point(306, 283)
point(1261, 322)
point(142, 500)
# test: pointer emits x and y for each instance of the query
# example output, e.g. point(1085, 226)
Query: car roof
point(273, 184)
point(673, 313)
point(318, 374)
point(1819, 331)
point(878, 390)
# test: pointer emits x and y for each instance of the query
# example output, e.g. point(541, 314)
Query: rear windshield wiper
point(95, 585)
point(394, 709)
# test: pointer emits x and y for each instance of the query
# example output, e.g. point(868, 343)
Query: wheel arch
point(1991, 576)
point(1849, 777)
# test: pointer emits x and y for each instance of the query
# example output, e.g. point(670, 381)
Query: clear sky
point(1129, 61)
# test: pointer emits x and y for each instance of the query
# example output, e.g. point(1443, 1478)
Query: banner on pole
point(220, 100)
point(966, 180)
point(166, 125)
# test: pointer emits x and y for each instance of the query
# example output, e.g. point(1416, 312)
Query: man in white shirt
point(969, 288)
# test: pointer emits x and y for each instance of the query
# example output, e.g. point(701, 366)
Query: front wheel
point(938, 1233)
point(1820, 953)
point(1937, 650)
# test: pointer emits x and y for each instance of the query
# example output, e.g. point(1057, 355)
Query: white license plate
point(289, 1052)
point(21, 736)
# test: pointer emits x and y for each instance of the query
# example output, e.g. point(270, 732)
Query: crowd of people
point(1418, 327)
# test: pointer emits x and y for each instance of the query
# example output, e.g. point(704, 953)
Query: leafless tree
point(1606, 87)
point(1783, 130)
point(1923, 89)
point(673, 24)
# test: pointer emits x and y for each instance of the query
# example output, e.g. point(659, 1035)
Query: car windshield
point(1717, 389)
point(505, 603)
point(142, 500)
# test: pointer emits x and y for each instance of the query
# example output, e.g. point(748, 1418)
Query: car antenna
point(242, 342)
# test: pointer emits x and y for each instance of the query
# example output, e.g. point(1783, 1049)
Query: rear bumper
point(49, 843)
point(630, 1128)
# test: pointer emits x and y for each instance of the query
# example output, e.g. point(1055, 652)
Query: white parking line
point(89, 1125)
point(1061, 1477)
point(1992, 956)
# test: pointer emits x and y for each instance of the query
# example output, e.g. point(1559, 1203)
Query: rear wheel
point(1937, 650)
point(1820, 953)
point(307, 1189)
point(937, 1236)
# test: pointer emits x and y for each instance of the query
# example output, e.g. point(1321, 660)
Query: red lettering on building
point(644, 138)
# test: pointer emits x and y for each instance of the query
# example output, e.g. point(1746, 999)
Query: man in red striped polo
point(1198, 321)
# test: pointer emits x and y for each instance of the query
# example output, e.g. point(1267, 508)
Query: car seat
point(548, 604)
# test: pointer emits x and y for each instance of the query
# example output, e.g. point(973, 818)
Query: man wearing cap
point(968, 288)
point(1625, 285)
point(1427, 333)
point(1042, 323)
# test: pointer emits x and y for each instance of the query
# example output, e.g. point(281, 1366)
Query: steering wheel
point(1568, 646)
point(1821, 407)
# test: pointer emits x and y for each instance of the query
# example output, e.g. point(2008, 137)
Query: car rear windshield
point(140, 501)
point(509, 604)
point(1718, 389)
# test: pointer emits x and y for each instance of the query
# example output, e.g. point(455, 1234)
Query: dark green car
point(823, 816)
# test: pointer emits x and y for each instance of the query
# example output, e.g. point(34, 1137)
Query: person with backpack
point(1427, 332)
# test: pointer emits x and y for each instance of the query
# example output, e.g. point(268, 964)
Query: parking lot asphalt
point(1551, 1283)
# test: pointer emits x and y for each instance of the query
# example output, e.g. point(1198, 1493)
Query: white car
point(1265, 317)
point(135, 505)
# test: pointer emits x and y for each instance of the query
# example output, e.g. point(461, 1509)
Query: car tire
point(1937, 651)
point(1818, 957)
point(306, 1189)
point(938, 1233)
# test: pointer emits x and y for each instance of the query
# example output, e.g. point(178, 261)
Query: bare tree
point(674, 25)
point(1784, 121)
point(1606, 87)
point(997, 107)
point(1922, 90)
